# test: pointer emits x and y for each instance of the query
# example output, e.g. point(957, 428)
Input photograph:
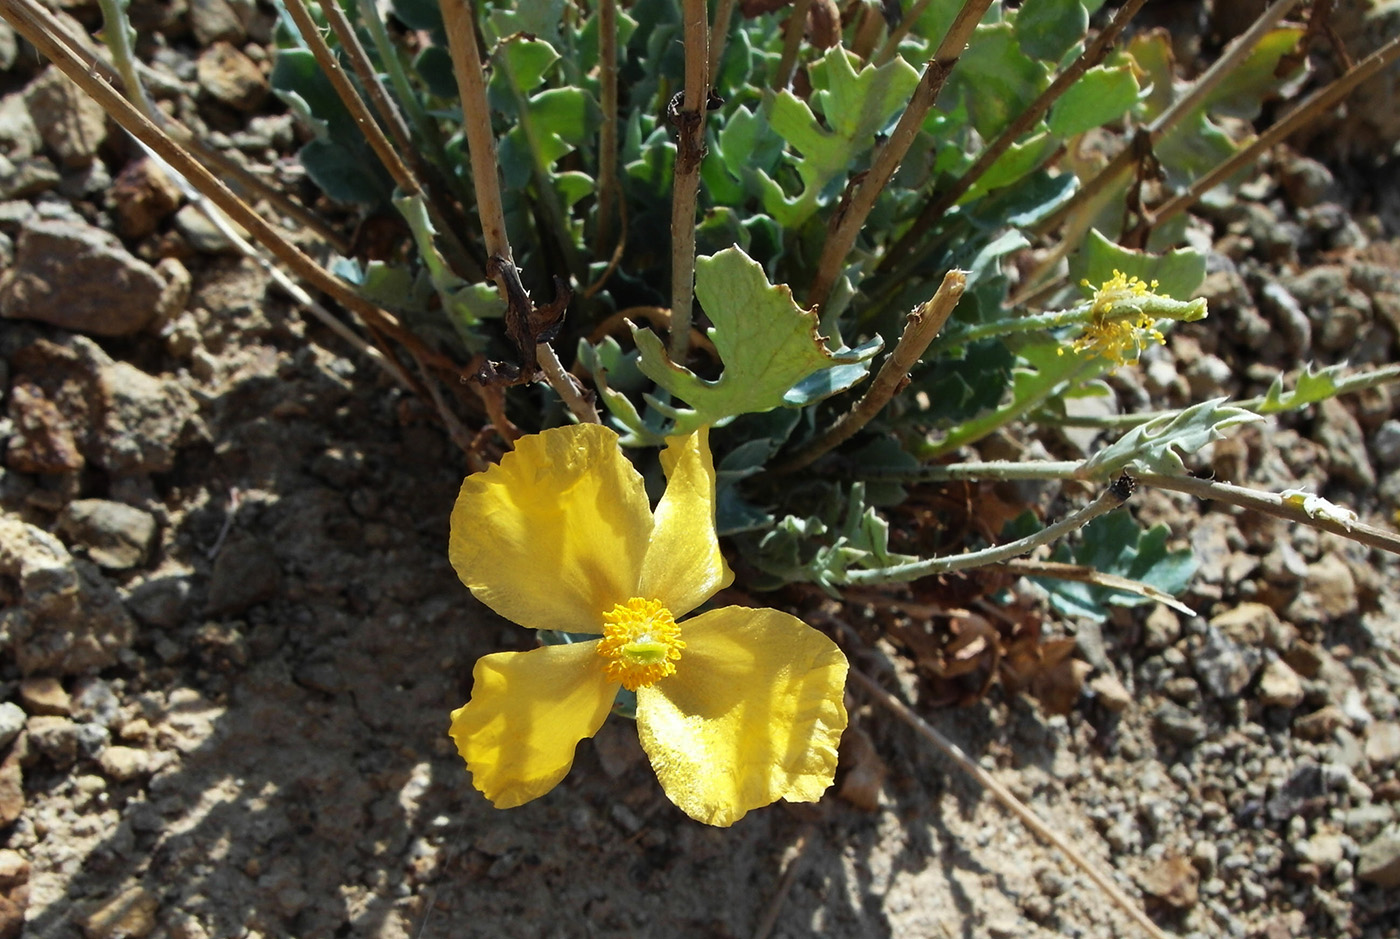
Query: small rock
point(1334, 586)
point(1386, 444)
point(1320, 724)
point(1223, 667)
point(43, 440)
point(1379, 861)
point(214, 21)
point(129, 915)
point(116, 536)
point(124, 764)
point(27, 178)
point(1306, 181)
point(1254, 624)
point(12, 718)
point(79, 278)
point(71, 123)
point(1280, 686)
point(1364, 822)
point(11, 788)
point(1338, 432)
point(1305, 784)
point(163, 601)
point(1174, 881)
point(144, 420)
point(245, 573)
point(1179, 724)
point(1283, 309)
point(45, 696)
point(56, 738)
point(1161, 629)
point(202, 234)
point(14, 869)
point(1323, 849)
point(1383, 744)
point(230, 77)
point(143, 195)
point(1109, 692)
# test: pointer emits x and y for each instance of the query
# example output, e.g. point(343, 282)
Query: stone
point(115, 536)
point(245, 573)
point(1174, 881)
point(143, 195)
point(55, 738)
point(230, 77)
point(130, 914)
point(1379, 860)
point(11, 788)
point(1109, 692)
point(12, 718)
point(201, 233)
point(1364, 822)
point(14, 869)
point(1254, 624)
point(163, 602)
point(1178, 724)
point(79, 278)
point(1223, 667)
point(71, 123)
point(43, 440)
point(1305, 784)
point(1280, 686)
point(1161, 629)
point(45, 696)
point(1332, 583)
point(1383, 744)
point(1385, 444)
point(27, 178)
point(68, 620)
point(216, 20)
point(1320, 724)
point(1339, 433)
point(124, 764)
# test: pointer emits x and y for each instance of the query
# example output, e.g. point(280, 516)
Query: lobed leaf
point(1158, 445)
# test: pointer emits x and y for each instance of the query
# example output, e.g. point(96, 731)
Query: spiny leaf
point(1158, 445)
point(768, 344)
point(1310, 388)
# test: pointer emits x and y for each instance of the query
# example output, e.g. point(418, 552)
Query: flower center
point(641, 643)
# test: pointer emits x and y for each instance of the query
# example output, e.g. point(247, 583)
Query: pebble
point(124, 764)
point(1385, 445)
point(1223, 667)
point(230, 77)
point(79, 278)
point(115, 536)
point(1338, 432)
point(12, 718)
point(1364, 822)
point(1305, 783)
point(1254, 624)
point(11, 789)
point(143, 195)
point(1174, 881)
point(1161, 629)
point(45, 696)
point(1383, 744)
point(56, 738)
point(1379, 860)
point(202, 234)
point(1178, 724)
point(130, 914)
point(27, 178)
point(1109, 692)
point(216, 20)
point(1320, 724)
point(1331, 582)
point(71, 123)
point(1280, 686)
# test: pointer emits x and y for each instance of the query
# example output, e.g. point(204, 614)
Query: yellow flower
point(736, 707)
point(1110, 332)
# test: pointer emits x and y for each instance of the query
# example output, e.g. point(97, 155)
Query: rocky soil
point(231, 637)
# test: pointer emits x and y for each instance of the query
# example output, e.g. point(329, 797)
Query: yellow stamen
point(641, 643)
point(1113, 336)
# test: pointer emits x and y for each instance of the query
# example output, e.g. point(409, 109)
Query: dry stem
point(690, 123)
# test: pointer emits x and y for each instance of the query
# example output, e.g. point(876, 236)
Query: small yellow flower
point(736, 707)
point(1110, 332)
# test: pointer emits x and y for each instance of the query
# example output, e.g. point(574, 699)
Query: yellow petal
point(527, 713)
point(753, 714)
point(553, 536)
point(683, 567)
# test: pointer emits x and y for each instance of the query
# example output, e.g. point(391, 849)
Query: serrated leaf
point(1158, 445)
point(767, 343)
point(1178, 273)
point(1102, 94)
point(1114, 544)
point(1311, 387)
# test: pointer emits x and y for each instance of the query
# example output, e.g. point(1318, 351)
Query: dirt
point(232, 639)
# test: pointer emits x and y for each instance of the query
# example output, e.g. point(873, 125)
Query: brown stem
point(719, 34)
point(846, 225)
point(896, 36)
point(923, 325)
point(690, 122)
point(792, 41)
point(1092, 56)
point(607, 133)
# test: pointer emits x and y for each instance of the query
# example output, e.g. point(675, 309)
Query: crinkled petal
point(527, 713)
point(683, 567)
point(553, 536)
point(753, 714)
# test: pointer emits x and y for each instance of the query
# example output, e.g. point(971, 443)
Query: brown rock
point(45, 696)
point(77, 277)
point(12, 905)
point(1174, 881)
point(1331, 581)
point(1383, 744)
point(143, 195)
point(116, 536)
point(1280, 686)
point(72, 124)
point(43, 441)
point(56, 738)
point(131, 914)
point(14, 869)
point(1254, 624)
point(11, 788)
point(1379, 860)
point(1109, 692)
point(124, 764)
point(230, 77)
point(1320, 723)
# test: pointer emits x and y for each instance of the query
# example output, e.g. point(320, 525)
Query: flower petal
point(753, 714)
point(527, 713)
point(683, 567)
point(553, 536)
